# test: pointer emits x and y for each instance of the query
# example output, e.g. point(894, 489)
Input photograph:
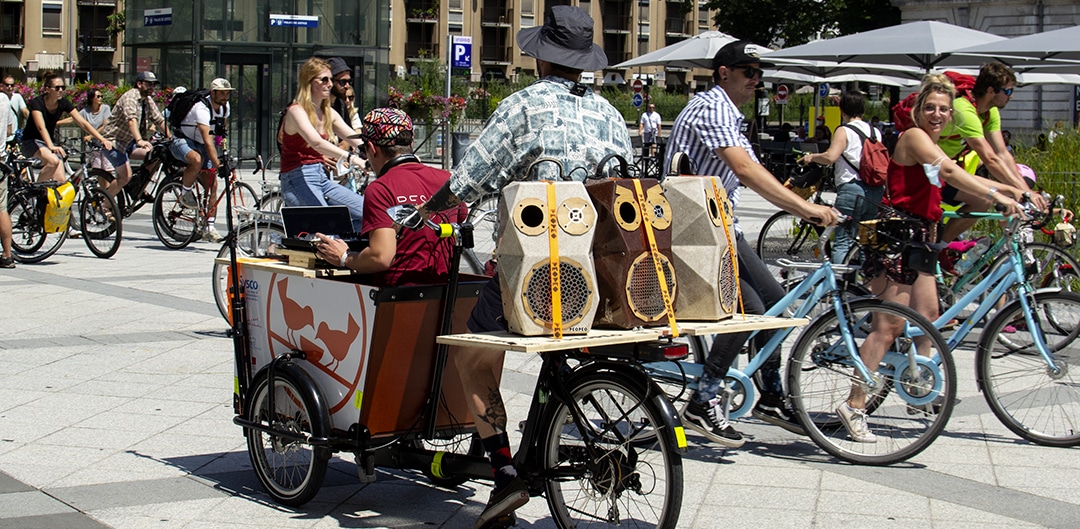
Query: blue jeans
point(308, 185)
point(849, 203)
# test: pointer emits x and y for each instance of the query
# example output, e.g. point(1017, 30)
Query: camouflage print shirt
point(543, 120)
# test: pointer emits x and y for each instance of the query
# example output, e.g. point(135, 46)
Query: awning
point(9, 60)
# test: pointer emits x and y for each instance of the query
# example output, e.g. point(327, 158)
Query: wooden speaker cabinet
point(526, 219)
point(627, 277)
point(703, 246)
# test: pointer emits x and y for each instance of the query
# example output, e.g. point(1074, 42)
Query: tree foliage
point(794, 22)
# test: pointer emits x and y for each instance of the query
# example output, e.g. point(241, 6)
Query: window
point(52, 15)
point(526, 7)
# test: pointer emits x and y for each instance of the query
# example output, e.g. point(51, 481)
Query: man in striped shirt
point(710, 131)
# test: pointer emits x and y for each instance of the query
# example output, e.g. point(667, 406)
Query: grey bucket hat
point(566, 39)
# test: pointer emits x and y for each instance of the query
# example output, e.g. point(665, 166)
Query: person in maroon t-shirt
point(417, 257)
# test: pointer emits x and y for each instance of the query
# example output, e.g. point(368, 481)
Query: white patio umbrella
point(1031, 50)
point(923, 44)
point(694, 52)
point(843, 78)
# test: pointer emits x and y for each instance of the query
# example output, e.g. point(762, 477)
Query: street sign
point(781, 94)
point(157, 17)
point(462, 55)
point(637, 85)
point(638, 100)
point(823, 90)
point(294, 21)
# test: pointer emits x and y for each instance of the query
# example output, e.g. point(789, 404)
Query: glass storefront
point(258, 47)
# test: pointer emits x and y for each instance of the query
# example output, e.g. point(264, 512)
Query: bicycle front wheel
point(175, 225)
point(785, 236)
point(100, 222)
point(272, 202)
point(1037, 400)
point(620, 470)
point(30, 243)
point(254, 239)
point(906, 412)
point(290, 469)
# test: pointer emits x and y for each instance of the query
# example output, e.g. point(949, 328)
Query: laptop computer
point(303, 222)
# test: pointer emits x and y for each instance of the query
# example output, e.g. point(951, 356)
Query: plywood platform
point(505, 341)
point(281, 267)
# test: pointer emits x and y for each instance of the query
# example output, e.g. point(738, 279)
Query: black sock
point(502, 461)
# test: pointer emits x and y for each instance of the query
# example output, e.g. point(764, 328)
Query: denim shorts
point(118, 156)
point(180, 147)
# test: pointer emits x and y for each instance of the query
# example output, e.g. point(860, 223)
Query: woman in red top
point(916, 173)
point(305, 137)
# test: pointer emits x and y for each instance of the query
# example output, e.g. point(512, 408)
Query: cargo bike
point(327, 365)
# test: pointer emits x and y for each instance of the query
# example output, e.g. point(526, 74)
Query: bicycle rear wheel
point(175, 225)
point(1037, 401)
point(906, 413)
point(101, 223)
point(245, 198)
point(254, 239)
point(30, 243)
point(272, 201)
point(785, 236)
point(621, 470)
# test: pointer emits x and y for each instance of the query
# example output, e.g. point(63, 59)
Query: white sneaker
point(211, 235)
point(188, 200)
point(854, 420)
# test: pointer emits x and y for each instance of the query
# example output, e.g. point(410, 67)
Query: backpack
point(874, 163)
point(181, 104)
point(901, 112)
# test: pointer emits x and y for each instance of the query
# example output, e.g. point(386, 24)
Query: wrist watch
point(990, 194)
point(345, 258)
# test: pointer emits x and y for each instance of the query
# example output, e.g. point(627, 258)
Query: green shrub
point(1055, 158)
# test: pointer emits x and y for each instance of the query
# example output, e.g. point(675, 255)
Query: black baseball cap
point(737, 53)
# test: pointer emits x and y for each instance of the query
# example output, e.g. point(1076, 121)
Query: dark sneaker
point(501, 505)
point(708, 420)
point(7, 262)
point(188, 200)
point(779, 415)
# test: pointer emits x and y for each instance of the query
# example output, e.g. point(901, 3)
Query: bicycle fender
point(673, 428)
point(305, 384)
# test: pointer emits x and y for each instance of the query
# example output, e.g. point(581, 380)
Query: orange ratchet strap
point(646, 221)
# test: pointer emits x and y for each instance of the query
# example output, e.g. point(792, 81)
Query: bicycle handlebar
point(406, 215)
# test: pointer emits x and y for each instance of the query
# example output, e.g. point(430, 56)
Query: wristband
point(345, 258)
point(991, 192)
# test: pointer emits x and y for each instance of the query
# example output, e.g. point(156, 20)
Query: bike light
point(676, 351)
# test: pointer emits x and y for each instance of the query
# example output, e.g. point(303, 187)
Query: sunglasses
point(9, 84)
point(349, 98)
point(322, 80)
point(58, 87)
point(344, 82)
point(1006, 91)
point(750, 72)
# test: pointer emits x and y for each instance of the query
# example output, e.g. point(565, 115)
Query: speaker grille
point(577, 291)
point(643, 287)
point(729, 288)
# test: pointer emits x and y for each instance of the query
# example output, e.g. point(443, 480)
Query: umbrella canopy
point(1057, 45)
point(923, 44)
point(1032, 77)
point(831, 68)
point(694, 52)
point(843, 78)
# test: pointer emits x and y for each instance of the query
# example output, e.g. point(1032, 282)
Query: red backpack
point(874, 163)
point(901, 112)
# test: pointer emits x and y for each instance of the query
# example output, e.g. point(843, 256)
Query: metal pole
point(446, 121)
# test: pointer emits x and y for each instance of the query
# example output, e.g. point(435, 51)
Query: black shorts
point(948, 195)
point(487, 315)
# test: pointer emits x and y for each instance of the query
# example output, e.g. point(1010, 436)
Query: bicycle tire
point(291, 471)
point(243, 196)
point(639, 464)
point(1021, 389)
point(101, 223)
point(30, 243)
point(820, 377)
point(175, 225)
point(272, 201)
point(250, 242)
point(485, 231)
point(785, 236)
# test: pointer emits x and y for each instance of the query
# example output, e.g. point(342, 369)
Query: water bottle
point(972, 255)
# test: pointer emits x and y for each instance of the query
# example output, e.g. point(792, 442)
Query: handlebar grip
point(1000, 207)
point(445, 230)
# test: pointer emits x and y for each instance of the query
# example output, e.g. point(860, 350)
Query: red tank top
point(908, 189)
point(295, 152)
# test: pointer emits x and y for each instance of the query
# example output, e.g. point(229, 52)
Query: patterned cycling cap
point(387, 126)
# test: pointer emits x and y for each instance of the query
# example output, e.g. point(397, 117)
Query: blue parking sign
point(461, 56)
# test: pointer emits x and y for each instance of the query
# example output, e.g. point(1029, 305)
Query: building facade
point(70, 36)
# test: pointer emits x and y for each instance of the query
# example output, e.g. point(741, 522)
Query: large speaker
point(703, 246)
point(628, 267)
point(540, 224)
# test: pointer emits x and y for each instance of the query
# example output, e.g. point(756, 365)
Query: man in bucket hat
point(710, 131)
point(417, 257)
point(555, 117)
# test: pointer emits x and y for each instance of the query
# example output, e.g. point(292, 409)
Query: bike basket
point(804, 192)
point(891, 232)
point(806, 176)
point(1064, 235)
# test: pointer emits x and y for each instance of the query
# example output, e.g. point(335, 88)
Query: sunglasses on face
point(344, 82)
point(750, 72)
point(322, 80)
point(58, 87)
point(9, 84)
point(1006, 91)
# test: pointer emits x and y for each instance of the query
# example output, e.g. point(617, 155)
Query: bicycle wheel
point(621, 470)
point(908, 410)
point(272, 201)
point(1048, 266)
point(461, 443)
point(175, 225)
point(290, 470)
point(785, 236)
point(1038, 402)
point(30, 243)
point(243, 198)
point(253, 239)
point(485, 231)
point(101, 223)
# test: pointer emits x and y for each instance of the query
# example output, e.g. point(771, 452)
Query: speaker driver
point(643, 292)
point(575, 286)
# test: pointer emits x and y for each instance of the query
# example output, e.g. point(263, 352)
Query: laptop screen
point(329, 220)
